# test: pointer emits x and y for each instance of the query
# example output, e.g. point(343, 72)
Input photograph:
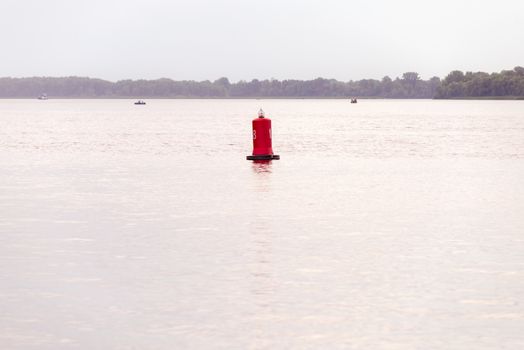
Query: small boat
point(353, 100)
point(140, 102)
point(42, 97)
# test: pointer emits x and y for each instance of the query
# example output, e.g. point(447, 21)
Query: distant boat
point(140, 102)
point(42, 97)
point(353, 100)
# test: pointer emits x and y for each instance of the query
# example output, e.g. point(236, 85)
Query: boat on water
point(140, 102)
point(42, 97)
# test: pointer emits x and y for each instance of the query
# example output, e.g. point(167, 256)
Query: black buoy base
point(263, 157)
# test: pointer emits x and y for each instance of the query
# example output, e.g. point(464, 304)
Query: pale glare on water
point(385, 225)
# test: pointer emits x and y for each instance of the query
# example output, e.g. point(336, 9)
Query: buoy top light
point(261, 113)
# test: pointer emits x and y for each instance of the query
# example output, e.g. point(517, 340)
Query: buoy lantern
point(262, 149)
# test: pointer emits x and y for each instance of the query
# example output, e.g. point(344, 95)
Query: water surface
point(392, 224)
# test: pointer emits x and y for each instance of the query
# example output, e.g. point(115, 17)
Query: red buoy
point(262, 149)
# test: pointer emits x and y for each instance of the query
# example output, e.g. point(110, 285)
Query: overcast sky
point(246, 39)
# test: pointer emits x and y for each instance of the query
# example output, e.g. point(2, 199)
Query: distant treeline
point(410, 85)
point(477, 85)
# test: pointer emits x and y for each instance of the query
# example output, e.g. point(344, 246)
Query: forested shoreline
point(508, 83)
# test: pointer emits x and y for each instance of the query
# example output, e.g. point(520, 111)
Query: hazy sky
point(245, 39)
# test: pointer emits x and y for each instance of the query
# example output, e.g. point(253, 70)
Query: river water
point(386, 224)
